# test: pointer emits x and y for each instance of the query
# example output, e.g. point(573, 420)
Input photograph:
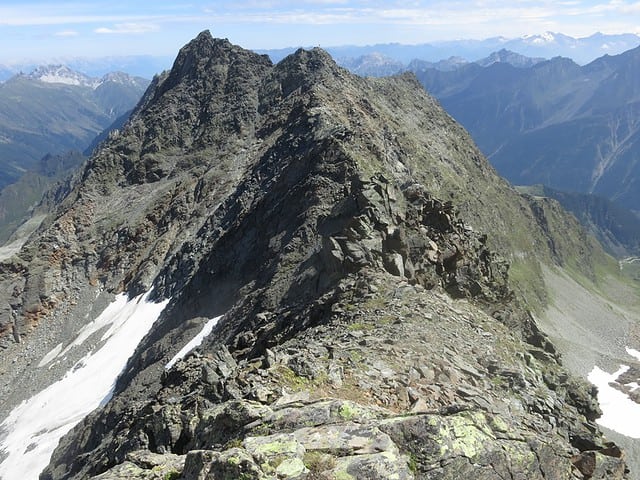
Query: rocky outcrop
point(368, 328)
point(367, 394)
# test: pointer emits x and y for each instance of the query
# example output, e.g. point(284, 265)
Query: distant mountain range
point(145, 66)
point(546, 45)
point(571, 127)
point(55, 109)
point(513, 101)
point(46, 118)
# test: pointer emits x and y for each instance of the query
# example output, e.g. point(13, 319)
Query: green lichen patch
point(275, 452)
point(467, 434)
point(349, 411)
point(291, 468)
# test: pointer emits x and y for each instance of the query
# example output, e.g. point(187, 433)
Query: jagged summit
point(300, 224)
point(200, 56)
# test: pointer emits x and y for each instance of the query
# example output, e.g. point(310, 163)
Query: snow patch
point(194, 342)
point(55, 351)
point(618, 409)
point(115, 314)
point(545, 38)
point(32, 430)
point(52, 78)
point(634, 353)
point(633, 386)
point(64, 75)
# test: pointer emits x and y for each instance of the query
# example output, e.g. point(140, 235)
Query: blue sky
point(45, 30)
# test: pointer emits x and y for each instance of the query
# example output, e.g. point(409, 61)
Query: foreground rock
point(402, 383)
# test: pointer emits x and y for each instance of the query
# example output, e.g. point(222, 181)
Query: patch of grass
point(318, 462)
point(350, 307)
point(172, 475)
point(356, 356)
point(375, 302)
point(263, 429)
point(413, 463)
point(361, 326)
point(291, 379)
point(525, 278)
point(387, 319)
point(233, 443)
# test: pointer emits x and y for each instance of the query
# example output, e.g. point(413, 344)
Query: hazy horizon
point(36, 30)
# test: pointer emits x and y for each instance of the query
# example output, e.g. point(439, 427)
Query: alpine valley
point(48, 119)
point(53, 110)
point(287, 271)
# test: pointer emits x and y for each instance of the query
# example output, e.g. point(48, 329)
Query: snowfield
point(194, 342)
point(617, 408)
point(33, 429)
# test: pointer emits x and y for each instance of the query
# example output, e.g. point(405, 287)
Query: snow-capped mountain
point(55, 109)
point(62, 74)
point(545, 38)
point(582, 50)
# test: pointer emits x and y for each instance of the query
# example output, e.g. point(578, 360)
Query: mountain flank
point(616, 228)
point(334, 226)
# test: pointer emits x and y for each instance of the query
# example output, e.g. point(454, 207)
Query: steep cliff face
point(367, 328)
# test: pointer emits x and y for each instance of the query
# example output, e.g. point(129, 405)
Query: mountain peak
point(198, 58)
point(313, 60)
point(511, 57)
point(298, 206)
point(541, 39)
point(122, 78)
point(61, 74)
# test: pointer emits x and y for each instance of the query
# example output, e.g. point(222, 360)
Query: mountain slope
point(616, 228)
point(19, 199)
point(569, 127)
point(359, 327)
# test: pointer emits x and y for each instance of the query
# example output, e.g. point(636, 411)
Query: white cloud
point(67, 33)
point(128, 28)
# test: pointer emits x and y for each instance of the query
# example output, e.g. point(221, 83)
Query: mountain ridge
point(65, 75)
point(589, 48)
point(547, 45)
point(314, 210)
